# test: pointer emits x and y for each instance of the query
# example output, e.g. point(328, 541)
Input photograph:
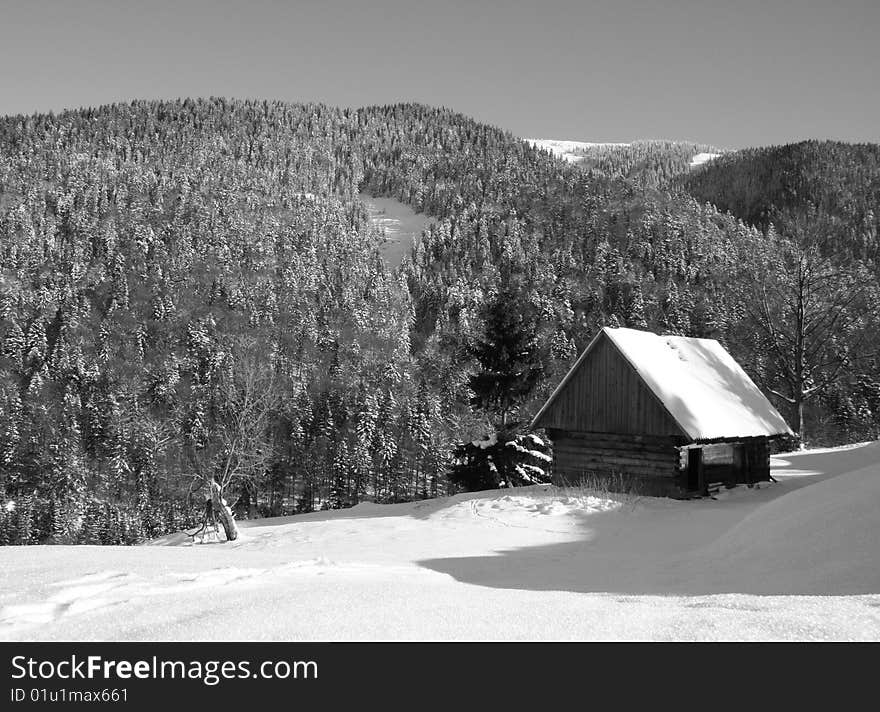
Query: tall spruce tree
point(509, 354)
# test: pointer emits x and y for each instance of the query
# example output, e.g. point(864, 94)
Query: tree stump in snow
point(223, 513)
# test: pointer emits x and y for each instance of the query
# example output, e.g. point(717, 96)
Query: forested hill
point(837, 183)
point(647, 163)
point(191, 293)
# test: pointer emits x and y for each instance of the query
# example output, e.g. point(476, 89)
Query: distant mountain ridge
point(839, 182)
point(571, 151)
point(650, 162)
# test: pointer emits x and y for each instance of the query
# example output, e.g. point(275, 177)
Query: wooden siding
point(655, 464)
point(576, 455)
point(605, 421)
point(754, 461)
point(749, 463)
point(606, 394)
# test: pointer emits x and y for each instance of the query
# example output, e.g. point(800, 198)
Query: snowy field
point(702, 158)
point(574, 151)
point(571, 151)
point(793, 560)
point(399, 222)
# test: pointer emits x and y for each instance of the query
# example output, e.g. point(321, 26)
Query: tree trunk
point(224, 513)
point(799, 420)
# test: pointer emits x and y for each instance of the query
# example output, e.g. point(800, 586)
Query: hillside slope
point(840, 182)
point(398, 223)
point(821, 539)
point(571, 151)
point(795, 560)
point(652, 163)
point(163, 262)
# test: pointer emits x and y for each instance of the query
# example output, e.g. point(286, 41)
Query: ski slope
point(794, 560)
point(399, 223)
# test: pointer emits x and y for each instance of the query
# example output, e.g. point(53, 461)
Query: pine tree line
point(191, 292)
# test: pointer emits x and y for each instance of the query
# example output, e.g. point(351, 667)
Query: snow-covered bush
point(503, 459)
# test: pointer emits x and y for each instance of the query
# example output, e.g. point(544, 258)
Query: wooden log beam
point(617, 437)
point(619, 445)
point(625, 469)
point(617, 457)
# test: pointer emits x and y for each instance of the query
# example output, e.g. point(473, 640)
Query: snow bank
point(533, 563)
point(820, 539)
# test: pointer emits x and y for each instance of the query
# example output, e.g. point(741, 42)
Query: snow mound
point(822, 539)
point(486, 442)
point(530, 563)
point(555, 505)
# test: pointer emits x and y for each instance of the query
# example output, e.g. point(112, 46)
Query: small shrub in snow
point(609, 485)
point(503, 459)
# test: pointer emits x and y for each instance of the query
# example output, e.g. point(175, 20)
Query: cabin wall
point(606, 395)
point(720, 462)
point(654, 465)
point(744, 462)
point(647, 463)
point(754, 461)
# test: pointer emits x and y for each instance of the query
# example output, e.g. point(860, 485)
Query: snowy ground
point(799, 559)
point(399, 222)
point(571, 151)
point(574, 151)
point(702, 158)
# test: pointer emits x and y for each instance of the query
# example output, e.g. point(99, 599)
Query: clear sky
point(728, 72)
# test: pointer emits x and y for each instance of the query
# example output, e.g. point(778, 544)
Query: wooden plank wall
point(755, 461)
point(576, 454)
point(654, 463)
point(750, 463)
point(607, 395)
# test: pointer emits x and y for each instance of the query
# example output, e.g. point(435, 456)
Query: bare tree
point(817, 315)
point(239, 445)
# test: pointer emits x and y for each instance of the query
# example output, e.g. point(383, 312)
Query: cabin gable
point(668, 415)
point(605, 394)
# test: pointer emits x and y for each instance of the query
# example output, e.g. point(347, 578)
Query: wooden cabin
point(671, 414)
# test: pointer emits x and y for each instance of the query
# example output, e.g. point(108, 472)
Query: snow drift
point(823, 539)
point(794, 560)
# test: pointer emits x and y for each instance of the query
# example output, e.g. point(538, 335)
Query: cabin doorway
point(695, 470)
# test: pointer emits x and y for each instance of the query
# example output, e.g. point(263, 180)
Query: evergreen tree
point(509, 356)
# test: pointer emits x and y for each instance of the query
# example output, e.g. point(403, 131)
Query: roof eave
point(738, 438)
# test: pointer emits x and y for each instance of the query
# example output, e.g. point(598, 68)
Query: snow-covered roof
point(702, 387)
